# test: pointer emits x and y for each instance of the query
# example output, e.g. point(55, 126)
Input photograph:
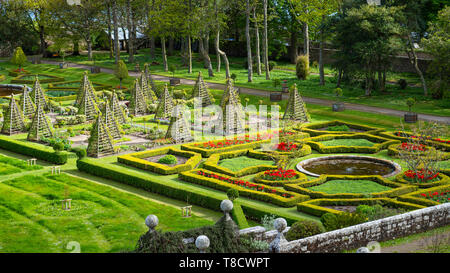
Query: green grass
point(348, 142)
point(10, 165)
point(350, 186)
point(241, 162)
point(103, 219)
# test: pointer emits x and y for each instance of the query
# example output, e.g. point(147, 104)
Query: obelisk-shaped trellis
point(146, 89)
point(179, 129)
point(38, 94)
point(137, 106)
point(26, 103)
point(88, 107)
point(233, 117)
point(165, 105)
point(148, 76)
point(86, 86)
point(229, 92)
point(117, 109)
point(296, 109)
point(100, 141)
point(40, 127)
point(13, 120)
point(201, 91)
point(111, 122)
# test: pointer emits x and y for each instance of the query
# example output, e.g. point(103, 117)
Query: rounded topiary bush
point(329, 221)
point(168, 159)
point(232, 194)
point(58, 146)
point(303, 229)
point(81, 153)
point(302, 67)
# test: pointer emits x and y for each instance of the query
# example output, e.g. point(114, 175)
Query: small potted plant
point(173, 81)
point(284, 87)
point(337, 105)
point(410, 117)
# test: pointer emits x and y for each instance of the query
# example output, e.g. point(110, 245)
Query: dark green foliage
point(339, 128)
point(341, 220)
point(377, 211)
point(272, 65)
point(329, 221)
point(81, 153)
point(302, 67)
point(303, 229)
point(58, 146)
point(402, 83)
point(238, 216)
point(168, 159)
point(232, 194)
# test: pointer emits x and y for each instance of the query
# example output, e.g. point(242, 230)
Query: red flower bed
point(285, 147)
point(18, 70)
point(421, 176)
point(278, 175)
point(228, 142)
point(244, 184)
point(401, 134)
point(438, 196)
point(411, 147)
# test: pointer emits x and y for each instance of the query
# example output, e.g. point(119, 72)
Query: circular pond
point(348, 165)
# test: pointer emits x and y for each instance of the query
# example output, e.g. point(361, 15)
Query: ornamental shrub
point(58, 146)
point(329, 221)
point(303, 229)
point(402, 83)
point(339, 128)
point(232, 194)
point(19, 58)
point(168, 159)
point(344, 219)
point(272, 65)
point(302, 67)
point(121, 72)
point(81, 153)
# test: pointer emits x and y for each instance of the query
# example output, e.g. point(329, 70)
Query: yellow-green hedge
point(394, 151)
point(194, 177)
point(436, 144)
point(212, 163)
point(313, 128)
point(18, 79)
point(259, 179)
point(443, 180)
point(136, 160)
point(303, 188)
point(414, 197)
point(381, 143)
point(304, 151)
point(208, 152)
point(315, 206)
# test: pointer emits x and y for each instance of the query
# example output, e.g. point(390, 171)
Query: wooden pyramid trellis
point(100, 141)
point(117, 109)
point(146, 89)
point(148, 76)
point(111, 122)
point(233, 117)
point(165, 105)
point(137, 102)
point(26, 103)
point(86, 86)
point(229, 92)
point(88, 107)
point(201, 91)
point(38, 95)
point(40, 127)
point(13, 120)
point(179, 129)
point(296, 109)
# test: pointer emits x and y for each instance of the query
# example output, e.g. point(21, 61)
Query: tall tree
point(219, 22)
point(266, 42)
point(249, 42)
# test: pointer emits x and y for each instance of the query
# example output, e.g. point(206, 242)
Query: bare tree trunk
point(258, 53)
point(76, 47)
point(152, 48)
point(224, 56)
point(130, 23)
point(171, 42)
point(205, 56)
point(217, 51)
point(164, 54)
point(339, 79)
point(111, 46)
point(306, 39)
point(321, 69)
point(116, 32)
point(189, 51)
point(266, 43)
point(89, 46)
point(293, 54)
point(415, 62)
point(249, 44)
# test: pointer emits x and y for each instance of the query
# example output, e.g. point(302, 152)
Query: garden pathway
point(264, 93)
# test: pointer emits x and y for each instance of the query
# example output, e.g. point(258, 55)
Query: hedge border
point(135, 160)
point(392, 135)
point(314, 207)
point(237, 214)
point(304, 151)
point(33, 149)
point(57, 86)
point(52, 78)
point(212, 163)
point(400, 178)
point(280, 183)
point(311, 128)
point(394, 152)
point(413, 197)
point(380, 144)
point(208, 152)
point(193, 177)
point(398, 189)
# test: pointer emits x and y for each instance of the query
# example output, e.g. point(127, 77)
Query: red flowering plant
point(235, 141)
point(412, 147)
point(280, 175)
point(437, 196)
point(421, 176)
point(421, 137)
point(286, 147)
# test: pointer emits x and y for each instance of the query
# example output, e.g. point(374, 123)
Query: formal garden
point(91, 146)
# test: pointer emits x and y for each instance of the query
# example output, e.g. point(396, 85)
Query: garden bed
point(30, 78)
point(441, 179)
point(321, 128)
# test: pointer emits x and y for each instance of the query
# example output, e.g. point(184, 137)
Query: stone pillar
point(280, 225)
point(226, 206)
point(202, 243)
point(151, 221)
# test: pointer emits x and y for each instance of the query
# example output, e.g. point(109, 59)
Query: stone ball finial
point(226, 205)
point(202, 243)
point(151, 221)
point(363, 250)
point(280, 224)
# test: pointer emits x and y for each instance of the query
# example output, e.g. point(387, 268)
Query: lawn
point(348, 142)
point(10, 165)
point(103, 219)
point(350, 186)
point(241, 162)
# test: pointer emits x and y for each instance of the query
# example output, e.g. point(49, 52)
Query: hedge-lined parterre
point(405, 136)
point(320, 128)
point(425, 197)
point(317, 206)
point(255, 191)
point(212, 163)
point(262, 178)
point(48, 78)
point(379, 144)
point(137, 160)
point(396, 149)
point(304, 150)
point(207, 152)
point(305, 187)
point(441, 179)
point(74, 85)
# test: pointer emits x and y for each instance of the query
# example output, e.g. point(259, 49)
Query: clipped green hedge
point(304, 151)
point(238, 216)
point(52, 78)
point(136, 160)
point(60, 86)
point(303, 188)
point(193, 177)
point(63, 98)
point(2, 78)
point(212, 163)
point(381, 143)
point(314, 128)
point(301, 177)
point(35, 150)
point(415, 197)
point(315, 206)
point(395, 152)
point(256, 214)
point(443, 180)
point(208, 152)
point(436, 144)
